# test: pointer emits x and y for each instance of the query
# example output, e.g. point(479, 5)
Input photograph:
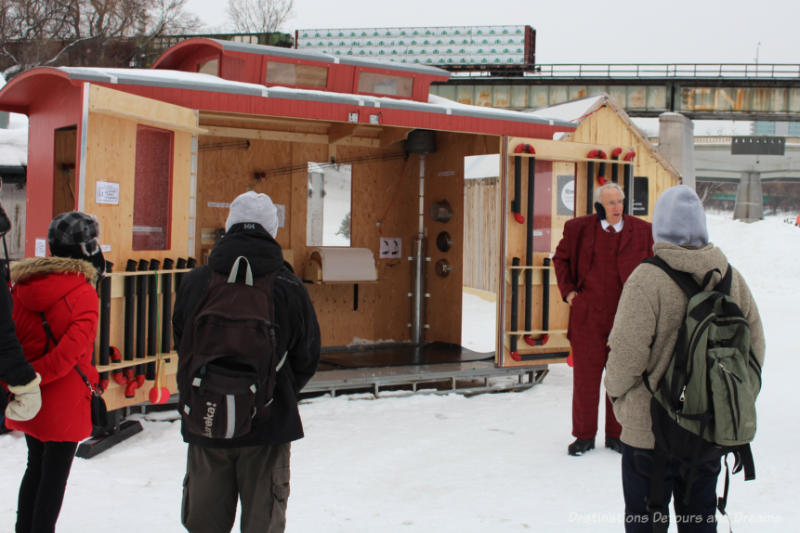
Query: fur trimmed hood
point(25, 269)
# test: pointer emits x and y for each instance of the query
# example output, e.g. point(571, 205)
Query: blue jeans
point(697, 515)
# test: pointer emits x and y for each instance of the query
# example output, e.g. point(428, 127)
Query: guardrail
point(668, 70)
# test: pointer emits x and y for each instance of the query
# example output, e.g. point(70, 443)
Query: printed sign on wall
point(391, 247)
point(566, 195)
point(107, 192)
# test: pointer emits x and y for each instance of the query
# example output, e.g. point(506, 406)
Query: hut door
point(65, 147)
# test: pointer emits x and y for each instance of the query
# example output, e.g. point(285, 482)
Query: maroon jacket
point(573, 257)
point(62, 289)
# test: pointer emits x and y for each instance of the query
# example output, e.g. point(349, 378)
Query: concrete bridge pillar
point(749, 198)
point(676, 142)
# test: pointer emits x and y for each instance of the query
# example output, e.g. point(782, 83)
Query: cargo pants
point(217, 477)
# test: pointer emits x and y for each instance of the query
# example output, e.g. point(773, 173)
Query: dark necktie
point(611, 229)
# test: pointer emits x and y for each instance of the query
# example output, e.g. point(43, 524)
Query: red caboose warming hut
point(367, 170)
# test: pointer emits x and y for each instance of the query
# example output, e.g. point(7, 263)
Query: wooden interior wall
point(227, 168)
point(385, 188)
point(445, 181)
point(64, 183)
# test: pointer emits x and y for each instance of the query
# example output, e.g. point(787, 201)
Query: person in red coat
point(59, 290)
point(594, 258)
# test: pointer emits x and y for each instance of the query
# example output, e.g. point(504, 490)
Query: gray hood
point(695, 261)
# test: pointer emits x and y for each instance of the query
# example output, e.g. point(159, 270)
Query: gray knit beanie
point(679, 218)
point(256, 208)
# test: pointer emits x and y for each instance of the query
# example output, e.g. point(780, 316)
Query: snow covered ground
point(493, 462)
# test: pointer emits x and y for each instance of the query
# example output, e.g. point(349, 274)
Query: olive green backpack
point(704, 405)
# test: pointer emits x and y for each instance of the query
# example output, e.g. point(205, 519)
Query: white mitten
point(26, 402)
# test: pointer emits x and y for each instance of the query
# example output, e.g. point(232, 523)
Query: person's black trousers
point(43, 485)
point(696, 516)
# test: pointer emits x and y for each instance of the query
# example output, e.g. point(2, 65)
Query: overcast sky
point(579, 31)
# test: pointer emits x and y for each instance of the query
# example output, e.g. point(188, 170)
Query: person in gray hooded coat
point(645, 331)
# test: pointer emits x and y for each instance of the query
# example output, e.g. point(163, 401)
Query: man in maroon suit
point(594, 258)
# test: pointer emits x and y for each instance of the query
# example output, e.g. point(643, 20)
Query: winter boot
point(580, 446)
point(614, 444)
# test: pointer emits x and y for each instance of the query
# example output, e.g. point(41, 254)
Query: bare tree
point(259, 16)
point(88, 32)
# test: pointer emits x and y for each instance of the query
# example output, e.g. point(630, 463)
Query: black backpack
point(703, 407)
point(227, 360)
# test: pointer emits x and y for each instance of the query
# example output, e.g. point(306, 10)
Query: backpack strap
point(684, 280)
point(234, 275)
point(724, 285)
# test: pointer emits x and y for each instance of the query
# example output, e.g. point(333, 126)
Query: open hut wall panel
point(138, 178)
point(533, 315)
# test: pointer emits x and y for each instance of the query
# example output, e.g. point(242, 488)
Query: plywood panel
point(227, 169)
point(111, 157)
point(383, 204)
point(517, 247)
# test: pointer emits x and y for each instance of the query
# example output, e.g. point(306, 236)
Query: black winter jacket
point(297, 333)
point(14, 367)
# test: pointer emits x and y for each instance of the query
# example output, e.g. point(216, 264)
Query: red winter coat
point(62, 289)
point(573, 257)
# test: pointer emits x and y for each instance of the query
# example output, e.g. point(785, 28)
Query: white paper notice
point(41, 248)
point(107, 192)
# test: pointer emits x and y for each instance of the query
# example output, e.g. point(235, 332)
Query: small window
point(291, 74)
point(152, 189)
point(374, 83)
point(209, 67)
point(329, 197)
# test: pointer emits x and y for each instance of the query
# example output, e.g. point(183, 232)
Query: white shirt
point(617, 226)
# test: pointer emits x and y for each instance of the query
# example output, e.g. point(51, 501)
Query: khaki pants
point(217, 477)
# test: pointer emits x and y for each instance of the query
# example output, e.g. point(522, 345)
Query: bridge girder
point(775, 99)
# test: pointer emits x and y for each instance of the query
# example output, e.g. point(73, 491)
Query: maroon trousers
point(589, 354)
point(591, 317)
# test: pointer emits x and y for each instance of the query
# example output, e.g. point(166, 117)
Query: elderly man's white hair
point(598, 191)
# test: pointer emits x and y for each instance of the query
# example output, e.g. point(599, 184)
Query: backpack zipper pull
point(731, 374)
point(683, 394)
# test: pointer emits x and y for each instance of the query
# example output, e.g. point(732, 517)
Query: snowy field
point(489, 463)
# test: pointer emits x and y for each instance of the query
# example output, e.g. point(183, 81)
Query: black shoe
point(614, 444)
point(580, 446)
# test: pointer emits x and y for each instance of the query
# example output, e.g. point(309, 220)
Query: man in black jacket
point(254, 467)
